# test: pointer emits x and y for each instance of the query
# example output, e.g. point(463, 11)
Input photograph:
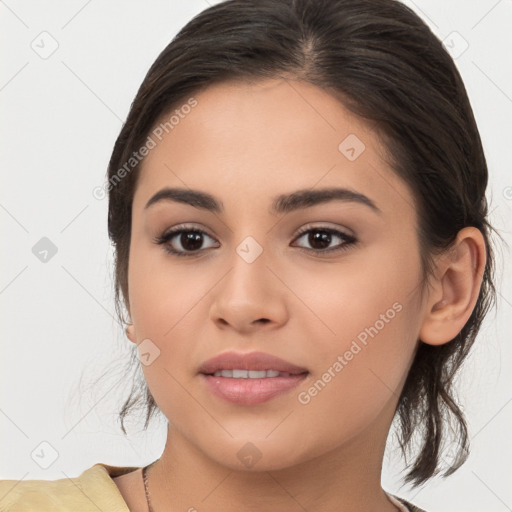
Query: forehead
point(265, 137)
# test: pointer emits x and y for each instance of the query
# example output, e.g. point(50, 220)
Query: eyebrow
point(283, 203)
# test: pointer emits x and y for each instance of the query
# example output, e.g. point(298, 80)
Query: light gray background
point(60, 115)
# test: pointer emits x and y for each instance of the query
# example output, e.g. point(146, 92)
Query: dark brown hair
point(384, 63)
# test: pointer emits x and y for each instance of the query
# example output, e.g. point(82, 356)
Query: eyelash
point(169, 235)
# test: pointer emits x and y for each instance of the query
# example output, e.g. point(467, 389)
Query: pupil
point(191, 241)
point(320, 236)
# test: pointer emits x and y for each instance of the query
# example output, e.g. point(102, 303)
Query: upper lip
point(248, 361)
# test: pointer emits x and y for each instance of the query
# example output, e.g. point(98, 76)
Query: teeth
point(250, 374)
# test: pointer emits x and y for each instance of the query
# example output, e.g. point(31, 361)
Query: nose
point(250, 296)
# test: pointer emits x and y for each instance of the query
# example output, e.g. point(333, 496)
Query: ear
point(130, 333)
point(455, 289)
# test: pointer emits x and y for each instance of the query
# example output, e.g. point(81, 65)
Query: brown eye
point(320, 239)
point(183, 241)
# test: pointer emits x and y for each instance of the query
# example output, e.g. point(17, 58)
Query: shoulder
point(36, 495)
point(94, 490)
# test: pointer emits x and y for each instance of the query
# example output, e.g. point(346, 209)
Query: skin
point(245, 143)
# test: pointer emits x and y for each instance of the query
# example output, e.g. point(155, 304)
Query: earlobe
point(130, 333)
point(456, 289)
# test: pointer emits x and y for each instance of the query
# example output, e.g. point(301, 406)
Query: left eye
point(323, 236)
point(191, 240)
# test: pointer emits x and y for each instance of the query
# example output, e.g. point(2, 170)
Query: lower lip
point(251, 391)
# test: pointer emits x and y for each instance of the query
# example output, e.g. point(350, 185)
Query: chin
point(256, 456)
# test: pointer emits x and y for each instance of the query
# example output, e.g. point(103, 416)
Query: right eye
point(190, 240)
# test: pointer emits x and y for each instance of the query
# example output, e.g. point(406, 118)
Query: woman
point(297, 205)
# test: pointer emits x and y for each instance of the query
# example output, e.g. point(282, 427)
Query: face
point(330, 286)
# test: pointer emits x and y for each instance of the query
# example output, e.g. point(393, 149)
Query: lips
point(251, 361)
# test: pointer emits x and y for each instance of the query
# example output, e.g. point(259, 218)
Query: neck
point(342, 480)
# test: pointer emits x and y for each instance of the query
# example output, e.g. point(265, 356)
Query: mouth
point(250, 379)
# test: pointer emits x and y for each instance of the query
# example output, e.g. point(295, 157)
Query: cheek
point(352, 295)
point(161, 292)
point(372, 310)
point(162, 299)
point(168, 309)
point(360, 374)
